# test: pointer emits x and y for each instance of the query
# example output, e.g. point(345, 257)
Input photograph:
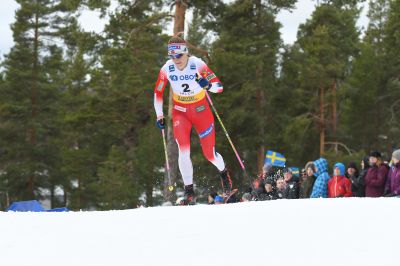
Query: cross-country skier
point(190, 78)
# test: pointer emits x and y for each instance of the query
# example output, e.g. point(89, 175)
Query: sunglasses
point(175, 56)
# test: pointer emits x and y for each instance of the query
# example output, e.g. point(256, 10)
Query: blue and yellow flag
point(275, 159)
point(295, 171)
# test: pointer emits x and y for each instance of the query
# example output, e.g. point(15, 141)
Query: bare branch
point(141, 27)
point(340, 144)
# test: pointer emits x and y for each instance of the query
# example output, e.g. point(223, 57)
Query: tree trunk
point(322, 122)
point(334, 114)
point(34, 89)
point(260, 98)
point(261, 106)
point(172, 149)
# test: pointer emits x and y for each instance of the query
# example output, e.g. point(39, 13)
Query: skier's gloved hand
point(160, 122)
point(203, 82)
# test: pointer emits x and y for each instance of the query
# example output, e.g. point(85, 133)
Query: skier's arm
point(207, 73)
point(159, 92)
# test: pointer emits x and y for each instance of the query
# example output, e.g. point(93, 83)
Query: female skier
point(190, 78)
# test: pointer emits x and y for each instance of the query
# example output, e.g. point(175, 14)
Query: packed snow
point(308, 232)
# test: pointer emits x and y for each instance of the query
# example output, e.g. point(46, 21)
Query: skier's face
point(181, 62)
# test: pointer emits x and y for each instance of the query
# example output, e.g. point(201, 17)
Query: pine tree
point(245, 56)
point(328, 42)
point(33, 71)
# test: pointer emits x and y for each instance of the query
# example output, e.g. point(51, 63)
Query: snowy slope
point(319, 232)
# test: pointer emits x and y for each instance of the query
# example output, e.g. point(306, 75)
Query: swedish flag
point(275, 159)
point(295, 171)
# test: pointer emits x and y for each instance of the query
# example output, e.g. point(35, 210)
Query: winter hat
point(341, 168)
point(310, 165)
point(396, 154)
point(246, 196)
point(269, 181)
point(375, 154)
point(321, 166)
point(287, 170)
point(352, 165)
point(219, 199)
point(213, 194)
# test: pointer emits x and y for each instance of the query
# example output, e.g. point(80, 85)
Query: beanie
point(396, 154)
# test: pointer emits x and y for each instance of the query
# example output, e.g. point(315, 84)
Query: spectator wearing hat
point(219, 200)
point(357, 180)
point(269, 192)
point(258, 189)
point(267, 171)
point(308, 181)
point(280, 188)
point(320, 188)
point(392, 188)
point(246, 197)
point(292, 185)
point(375, 178)
point(339, 185)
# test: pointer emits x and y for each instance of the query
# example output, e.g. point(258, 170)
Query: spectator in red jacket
point(375, 178)
point(339, 185)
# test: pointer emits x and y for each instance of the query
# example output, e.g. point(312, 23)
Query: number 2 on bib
point(185, 87)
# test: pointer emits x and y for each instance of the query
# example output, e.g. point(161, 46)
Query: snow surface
point(319, 232)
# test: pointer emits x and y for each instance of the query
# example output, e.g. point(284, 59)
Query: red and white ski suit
point(191, 109)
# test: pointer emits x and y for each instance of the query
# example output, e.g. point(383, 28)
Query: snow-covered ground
point(337, 232)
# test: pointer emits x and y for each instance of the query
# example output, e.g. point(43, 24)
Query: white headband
point(177, 48)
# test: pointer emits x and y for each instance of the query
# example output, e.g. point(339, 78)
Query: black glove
point(203, 82)
point(160, 123)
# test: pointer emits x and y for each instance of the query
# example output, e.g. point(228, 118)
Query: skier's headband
point(177, 48)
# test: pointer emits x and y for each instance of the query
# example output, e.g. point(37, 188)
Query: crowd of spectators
point(372, 177)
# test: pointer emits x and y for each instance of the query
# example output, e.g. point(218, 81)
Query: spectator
point(308, 181)
point(246, 197)
point(269, 193)
point(392, 188)
point(356, 179)
point(339, 185)
point(266, 172)
point(258, 189)
point(280, 188)
point(320, 188)
point(211, 198)
point(219, 200)
point(292, 185)
point(376, 176)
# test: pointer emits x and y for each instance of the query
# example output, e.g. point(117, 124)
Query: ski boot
point(226, 183)
point(189, 197)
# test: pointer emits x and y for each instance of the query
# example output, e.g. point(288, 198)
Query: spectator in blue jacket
point(320, 188)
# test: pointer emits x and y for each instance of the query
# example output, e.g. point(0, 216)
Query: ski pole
point(170, 187)
point(228, 137)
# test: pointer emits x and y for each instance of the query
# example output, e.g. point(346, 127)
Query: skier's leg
point(182, 128)
point(205, 127)
point(204, 124)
